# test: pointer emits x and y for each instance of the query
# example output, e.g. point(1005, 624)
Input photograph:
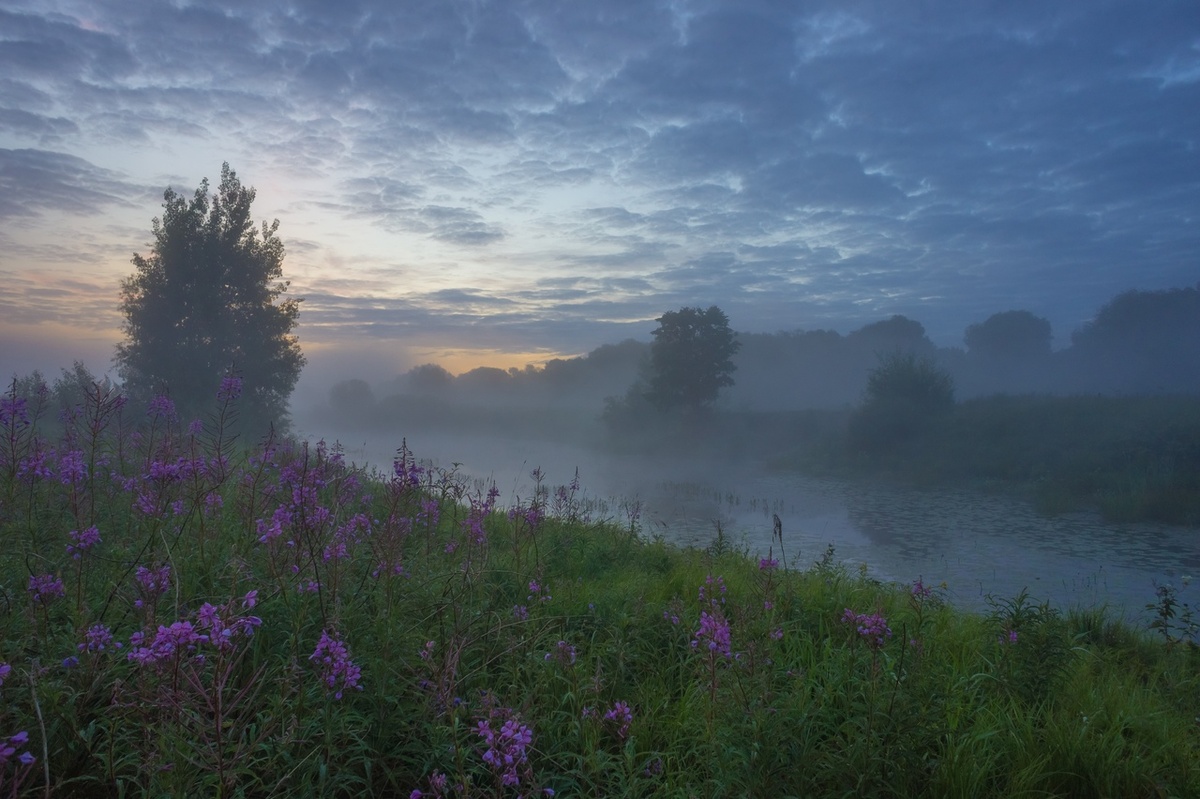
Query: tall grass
point(186, 616)
point(1131, 458)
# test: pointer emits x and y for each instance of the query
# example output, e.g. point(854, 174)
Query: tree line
point(208, 303)
point(1140, 342)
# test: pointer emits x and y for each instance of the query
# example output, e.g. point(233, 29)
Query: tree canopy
point(905, 396)
point(1010, 336)
point(691, 358)
point(207, 303)
point(1141, 342)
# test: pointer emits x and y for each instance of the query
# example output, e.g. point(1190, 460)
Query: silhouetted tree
point(1010, 337)
point(1141, 342)
point(207, 302)
point(905, 396)
point(485, 382)
point(429, 378)
point(352, 397)
point(691, 358)
point(75, 385)
point(894, 334)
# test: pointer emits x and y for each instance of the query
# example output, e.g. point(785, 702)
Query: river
point(978, 544)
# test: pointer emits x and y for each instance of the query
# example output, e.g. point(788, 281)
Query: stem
point(37, 707)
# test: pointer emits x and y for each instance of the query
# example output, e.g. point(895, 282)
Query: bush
point(905, 397)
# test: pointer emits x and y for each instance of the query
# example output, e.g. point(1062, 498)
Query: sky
point(500, 183)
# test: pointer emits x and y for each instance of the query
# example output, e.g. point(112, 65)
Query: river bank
point(977, 542)
point(184, 619)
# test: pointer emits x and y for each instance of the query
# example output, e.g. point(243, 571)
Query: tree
point(1010, 337)
point(1141, 342)
point(691, 358)
point(894, 334)
point(905, 397)
point(905, 378)
point(206, 303)
point(429, 378)
point(352, 398)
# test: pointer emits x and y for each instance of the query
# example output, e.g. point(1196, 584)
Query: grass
point(1131, 458)
point(285, 625)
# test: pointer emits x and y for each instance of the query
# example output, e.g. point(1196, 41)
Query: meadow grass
point(181, 616)
point(1133, 458)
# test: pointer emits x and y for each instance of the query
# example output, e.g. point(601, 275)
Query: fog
point(1141, 342)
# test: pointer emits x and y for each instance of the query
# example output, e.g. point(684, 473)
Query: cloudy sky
point(501, 182)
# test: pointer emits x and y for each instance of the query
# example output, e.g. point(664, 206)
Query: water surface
point(978, 544)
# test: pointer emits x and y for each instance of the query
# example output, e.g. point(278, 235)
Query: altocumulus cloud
point(823, 164)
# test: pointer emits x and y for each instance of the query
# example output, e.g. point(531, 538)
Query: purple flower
point(338, 672)
point(871, 628)
point(8, 749)
point(5, 670)
point(35, 464)
point(713, 591)
point(45, 587)
point(507, 749)
point(430, 511)
point(768, 564)
point(714, 629)
point(98, 638)
point(213, 502)
point(152, 583)
point(564, 654)
point(620, 716)
point(221, 626)
point(1009, 638)
point(270, 530)
point(71, 468)
point(82, 541)
point(169, 642)
point(231, 388)
point(161, 407)
point(13, 411)
point(920, 590)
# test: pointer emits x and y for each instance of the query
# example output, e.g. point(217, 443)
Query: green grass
point(459, 612)
point(1131, 458)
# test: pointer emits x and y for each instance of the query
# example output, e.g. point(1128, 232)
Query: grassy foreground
point(180, 618)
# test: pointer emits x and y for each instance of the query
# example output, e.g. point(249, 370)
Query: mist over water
point(978, 544)
point(1109, 420)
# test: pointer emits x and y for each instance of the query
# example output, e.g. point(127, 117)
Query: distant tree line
point(1140, 342)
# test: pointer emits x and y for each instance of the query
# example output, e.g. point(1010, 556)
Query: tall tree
point(1141, 342)
point(1010, 336)
point(691, 358)
point(207, 302)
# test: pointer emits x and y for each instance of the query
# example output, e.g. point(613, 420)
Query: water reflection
point(976, 543)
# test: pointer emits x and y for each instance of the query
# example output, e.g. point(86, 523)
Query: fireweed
point(506, 749)
point(45, 588)
point(180, 689)
point(563, 655)
point(619, 718)
point(82, 541)
point(337, 671)
point(872, 628)
point(313, 529)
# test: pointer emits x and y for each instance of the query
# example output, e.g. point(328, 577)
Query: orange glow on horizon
point(459, 361)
